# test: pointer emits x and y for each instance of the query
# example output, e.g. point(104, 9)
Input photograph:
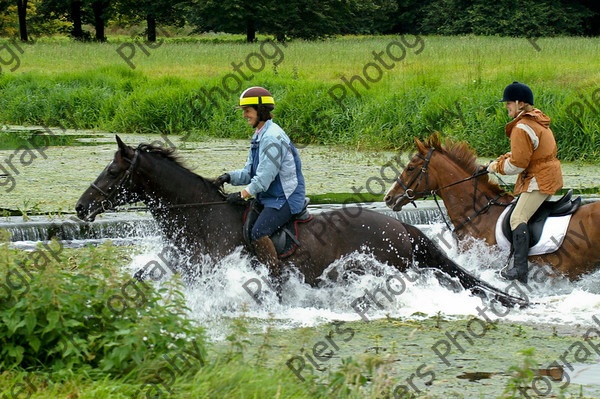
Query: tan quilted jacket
point(537, 157)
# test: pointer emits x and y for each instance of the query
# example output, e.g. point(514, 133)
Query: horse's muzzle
point(395, 203)
point(84, 213)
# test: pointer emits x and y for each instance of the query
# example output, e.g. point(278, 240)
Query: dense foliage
point(309, 19)
point(63, 314)
point(528, 19)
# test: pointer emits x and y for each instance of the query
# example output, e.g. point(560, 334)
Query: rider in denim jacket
point(272, 174)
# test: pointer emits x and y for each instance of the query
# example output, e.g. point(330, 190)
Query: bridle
point(107, 202)
point(411, 195)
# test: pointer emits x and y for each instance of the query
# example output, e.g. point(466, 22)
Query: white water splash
point(218, 293)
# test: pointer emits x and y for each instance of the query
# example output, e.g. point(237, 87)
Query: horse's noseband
point(107, 203)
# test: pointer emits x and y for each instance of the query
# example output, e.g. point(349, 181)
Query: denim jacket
point(273, 171)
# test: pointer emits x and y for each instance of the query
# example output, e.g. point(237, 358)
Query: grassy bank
point(450, 84)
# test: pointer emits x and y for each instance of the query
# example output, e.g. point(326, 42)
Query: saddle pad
point(553, 234)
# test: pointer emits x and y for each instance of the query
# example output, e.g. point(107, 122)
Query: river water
point(218, 292)
point(52, 180)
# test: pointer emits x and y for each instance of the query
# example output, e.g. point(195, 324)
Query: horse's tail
point(429, 255)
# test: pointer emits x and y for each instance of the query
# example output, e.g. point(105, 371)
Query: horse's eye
point(113, 173)
point(410, 168)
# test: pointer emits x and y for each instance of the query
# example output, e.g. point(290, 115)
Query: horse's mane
point(167, 153)
point(464, 156)
point(170, 155)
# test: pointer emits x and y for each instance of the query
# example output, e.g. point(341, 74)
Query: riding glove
point(493, 167)
point(224, 178)
point(236, 198)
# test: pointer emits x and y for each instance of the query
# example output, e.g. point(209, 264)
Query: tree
point(75, 8)
point(482, 17)
point(446, 17)
point(4, 7)
point(533, 19)
point(22, 11)
point(591, 23)
point(230, 16)
point(71, 9)
point(408, 16)
point(304, 19)
point(100, 10)
point(79, 12)
point(164, 12)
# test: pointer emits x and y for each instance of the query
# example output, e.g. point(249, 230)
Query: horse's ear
point(122, 146)
point(420, 146)
point(126, 150)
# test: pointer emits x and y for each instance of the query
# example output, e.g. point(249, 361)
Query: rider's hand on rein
point(492, 167)
point(224, 178)
point(236, 198)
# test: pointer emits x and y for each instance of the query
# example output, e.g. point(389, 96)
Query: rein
point(477, 212)
point(146, 208)
point(411, 195)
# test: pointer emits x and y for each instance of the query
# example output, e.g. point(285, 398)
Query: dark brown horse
point(475, 203)
point(195, 218)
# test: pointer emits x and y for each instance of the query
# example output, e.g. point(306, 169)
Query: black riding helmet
point(518, 92)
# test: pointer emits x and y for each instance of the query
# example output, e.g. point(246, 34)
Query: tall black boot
point(521, 248)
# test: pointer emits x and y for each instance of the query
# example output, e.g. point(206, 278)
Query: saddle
point(561, 207)
point(285, 238)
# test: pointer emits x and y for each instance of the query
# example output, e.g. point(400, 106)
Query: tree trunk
point(76, 17)
point(280, 37)
point(250, 30)
point(151, 21)
point(22, 11)
point(98, 7)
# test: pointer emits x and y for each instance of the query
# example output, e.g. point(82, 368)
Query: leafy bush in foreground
point(81, 313)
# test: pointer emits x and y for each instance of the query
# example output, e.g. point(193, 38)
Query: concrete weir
point(140, 224)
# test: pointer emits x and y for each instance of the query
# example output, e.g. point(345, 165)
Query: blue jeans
point(269, 220)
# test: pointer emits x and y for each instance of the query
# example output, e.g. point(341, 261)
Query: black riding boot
point(521, 248)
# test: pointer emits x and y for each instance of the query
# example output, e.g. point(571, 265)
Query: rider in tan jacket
point(533, 157)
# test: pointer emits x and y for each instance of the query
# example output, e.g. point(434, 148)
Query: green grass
point(88, 85)
point(563, 61)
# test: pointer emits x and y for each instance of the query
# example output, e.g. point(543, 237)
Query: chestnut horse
point(474, 203)
point(196, 220)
